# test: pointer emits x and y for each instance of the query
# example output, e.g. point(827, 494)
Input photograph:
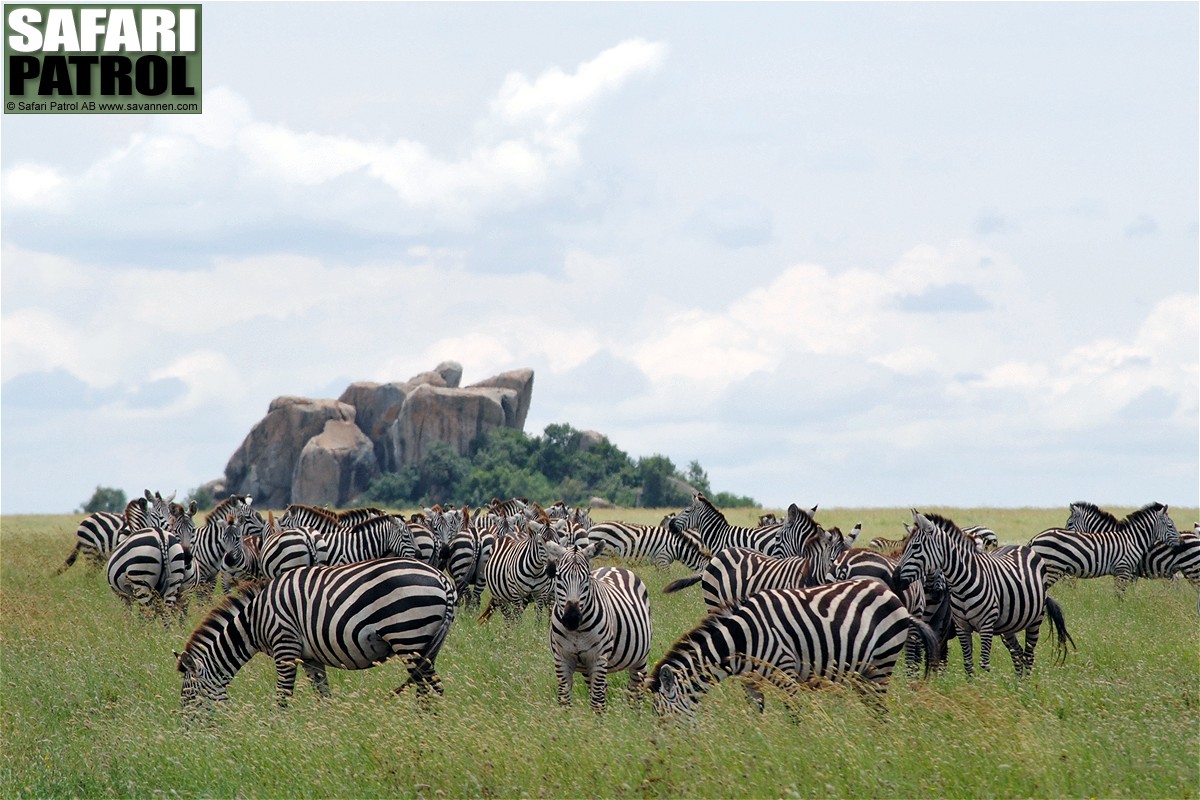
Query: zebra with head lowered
point(1118, 552)
point(99, 532)
point(155, 568)
point(989, 594)
point(351, 617)
point(716, 533)
point(790, 638)
point(599, 623)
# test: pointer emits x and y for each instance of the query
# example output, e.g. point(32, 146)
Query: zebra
point(381, 537)
point(279, 551)
point(716, 533)
point(351, 617)
point(1118, 552)
point(993, 595)
point(321, 519)
point(791, 637)
point(653, 543)
point(517, 573)
point(158, 510)
point(600, 622)
point(1160, 561)
point(100, 531)
point(424, 537)
point(154, 568)
point(469, 551)
point(735, 573)
point(222, 531)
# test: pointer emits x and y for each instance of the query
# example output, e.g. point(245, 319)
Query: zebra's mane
point(1093, 509)
point(325, 513)
point(706, 503)
point(226, 506)
point(945, 524)
point(1143, 513)
point(223, 614)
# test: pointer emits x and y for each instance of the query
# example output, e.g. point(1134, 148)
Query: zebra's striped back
point(292, 548)
point(1161, 560)
point(381, 537)
point(1118, 552)
point(95, 537)
point(469, 552)
point(600, 622)
point(790, 637)
point(302, 516)
point(648, 543)
point(350, 617)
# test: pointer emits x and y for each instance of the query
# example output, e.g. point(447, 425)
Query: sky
point(846, 254)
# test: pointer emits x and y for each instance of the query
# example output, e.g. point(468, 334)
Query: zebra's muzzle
point(571, 616)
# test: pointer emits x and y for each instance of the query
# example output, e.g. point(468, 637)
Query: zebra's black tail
point(682, 583)
point(929, 641)
point(70, 560)
point(1054, 612)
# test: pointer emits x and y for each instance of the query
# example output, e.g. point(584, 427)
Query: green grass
point(89, 706)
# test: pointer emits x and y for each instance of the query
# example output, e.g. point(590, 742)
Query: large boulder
point(377, 405)
point(519, 381)
point(335, 466)
point(265, 463)
point(432, 414)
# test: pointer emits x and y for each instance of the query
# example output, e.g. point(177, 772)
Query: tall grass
point(89, 705)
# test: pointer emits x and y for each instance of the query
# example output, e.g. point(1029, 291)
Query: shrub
point(105, 498)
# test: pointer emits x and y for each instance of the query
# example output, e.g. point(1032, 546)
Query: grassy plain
point(89, 706)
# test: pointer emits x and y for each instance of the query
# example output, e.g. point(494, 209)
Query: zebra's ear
point(854, 532)
point(184, 662)
point(666, 678)
point(554, 551)
point(193, 508)
point(793, 514)
point(594, 549)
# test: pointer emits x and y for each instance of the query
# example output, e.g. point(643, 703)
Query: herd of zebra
point(789, 603)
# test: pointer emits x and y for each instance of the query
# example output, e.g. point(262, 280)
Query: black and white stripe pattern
point(647, 543)
point(989, 594)
point(380, 537)
point(350, 617)
point(1118, 552)
point(1161, 560)
point(99, 532)
point(735, 573)
point(791, 637)
point(153, 568)
point(469, 551)
point(517, 573)
point(716, 533)
point(600, 622)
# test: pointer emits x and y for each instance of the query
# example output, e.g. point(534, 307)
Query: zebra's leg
point(985, 649)
point(565, 665)
point(422, 673)
point(1017, 653)
point(1032, 634)
point(637, 681)
point(598, 684)
point(316, 673)
point(966, 641)
point(872, 685)
point(286, 658)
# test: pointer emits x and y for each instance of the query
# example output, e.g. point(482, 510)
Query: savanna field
point(90, 704)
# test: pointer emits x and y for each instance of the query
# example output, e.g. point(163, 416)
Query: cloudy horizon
point(846, 254)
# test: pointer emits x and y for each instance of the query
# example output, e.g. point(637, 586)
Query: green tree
point(105, 498)
point(657, 476)
point(697, 478)
point(441, 472)
point(202, 497)
point(394, 489)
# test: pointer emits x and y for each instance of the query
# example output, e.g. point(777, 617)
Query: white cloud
point(531, 140)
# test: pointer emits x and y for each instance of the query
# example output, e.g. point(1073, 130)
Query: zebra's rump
point(355, 615)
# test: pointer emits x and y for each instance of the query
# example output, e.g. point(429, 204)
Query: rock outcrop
point(326, 451)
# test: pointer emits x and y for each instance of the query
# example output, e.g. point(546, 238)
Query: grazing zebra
point(469, 552)
point(600, 622)
point(517, 573)
point(154, 568)
point(716, 533)
point(100, 531)
point(652, 543)
point(791, 637)
point(1118, 552)
point(350, 617)
point(989, 594)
